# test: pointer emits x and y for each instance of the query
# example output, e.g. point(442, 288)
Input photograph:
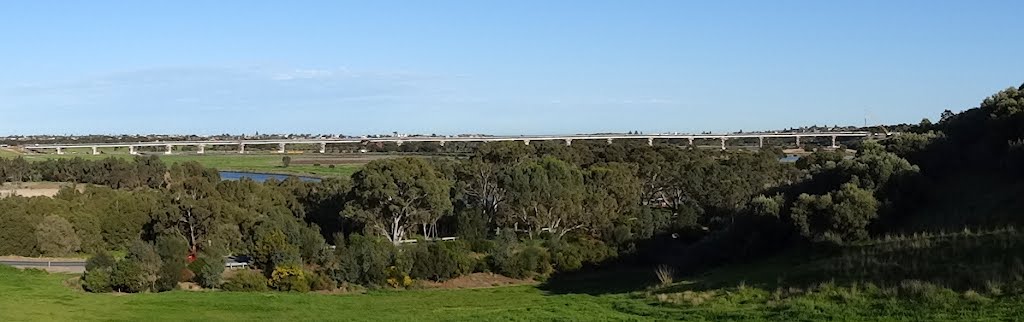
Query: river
point(260, 177)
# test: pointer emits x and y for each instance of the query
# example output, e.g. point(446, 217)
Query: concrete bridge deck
point(526, 139)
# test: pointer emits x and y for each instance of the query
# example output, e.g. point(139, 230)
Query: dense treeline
point(518, 210)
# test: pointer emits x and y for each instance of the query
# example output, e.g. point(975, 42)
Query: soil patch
point(479, 280)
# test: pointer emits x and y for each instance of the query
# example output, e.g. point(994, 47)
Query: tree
point(390, 196)
point(193, 192)
point(56, 237)
point(839, 216)
point(546, 195)
point(173, 251)
point(272, 249)
point(286, 161)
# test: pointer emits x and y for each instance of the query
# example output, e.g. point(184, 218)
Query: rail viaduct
point(526, 139)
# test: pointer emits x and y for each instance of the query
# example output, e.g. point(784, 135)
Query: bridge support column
point(202, 149)
point(95, 150)
point(60, 151)
point(568, 142)
point(241, 148)
point(650, 141)
point(323, 148)
point(797, 142)
point(170, 148)
point(527, 142)
point(131, 150)
point(691, 140)
point(399, 143)
point(280, 148)
point(723, 142)
point(834, 146)
point(442, 143)
point(609, 140)
point(760, 141)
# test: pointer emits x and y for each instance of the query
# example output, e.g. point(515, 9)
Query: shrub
point(665, 274)
point(290, 278)
point(56, 237)
point(440, 261)
point(102, 259)
point(397, 278)
point(173, 251)
point(208, 269)
point(316, 164)
point(97, 280)
point(246, 281)
point(321, 282)
point(331, 166)
point(532, 259)
point(129, 276)
point(372, 257)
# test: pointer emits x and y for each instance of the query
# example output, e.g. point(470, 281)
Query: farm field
point(308, 165)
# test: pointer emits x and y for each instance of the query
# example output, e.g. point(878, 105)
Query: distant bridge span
point(526, 139)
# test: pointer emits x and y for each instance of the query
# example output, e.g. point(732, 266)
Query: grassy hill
point(38, 296)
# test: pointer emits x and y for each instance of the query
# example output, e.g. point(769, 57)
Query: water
point(260, 177)
point(789, 158)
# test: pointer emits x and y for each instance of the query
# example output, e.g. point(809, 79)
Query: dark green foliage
point(208, 267)
point(246, 280)
point(286, 161)
point(371, 257)
point(440, 261)
point(102, 259)
point(97, 280)
point(130, 276)
point(173, 251)
point(272, 249)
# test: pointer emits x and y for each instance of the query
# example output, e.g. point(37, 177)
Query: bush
point(321, 282)
point(289, 278)
point(56, 237)
point(173, 251)
point(246, 281)
point(531, 260)
point(331, 166)
point(440, 261)
point(97, 280)
point(129, 276)
point(372, 256)
point(208, 269)
point(102, 259)
point(397, 278)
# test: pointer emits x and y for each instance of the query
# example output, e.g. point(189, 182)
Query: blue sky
point(501, 67)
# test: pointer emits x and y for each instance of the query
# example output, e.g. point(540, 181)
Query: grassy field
point(344, 165)
point(39, 296)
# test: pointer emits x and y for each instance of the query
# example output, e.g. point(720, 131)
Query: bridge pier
point(609, 140)
point(760, 141)
point(442, 143)
point(399, 143)
point(691, 140)
point(170, 148)
point(241, 148)
point(834, 146)
point(568, 142)
point(527, 142)
point(650, 141)
point(202, 149)
point(280, 148)
point(798, 142)
point(723, 142)
point(95, 151)
point(323, 148)
point(131, 150)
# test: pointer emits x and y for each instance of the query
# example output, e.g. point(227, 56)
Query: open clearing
point(302, 164)
point(33, 295)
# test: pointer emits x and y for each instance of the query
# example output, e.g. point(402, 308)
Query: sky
point(497, 67)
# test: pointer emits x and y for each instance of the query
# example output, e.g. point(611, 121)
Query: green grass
point(5, 153)
point(38, 296)
point(231, 162)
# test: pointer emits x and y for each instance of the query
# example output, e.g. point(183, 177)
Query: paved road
point(70, 266)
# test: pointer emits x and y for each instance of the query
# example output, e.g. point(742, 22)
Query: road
point(72, 266)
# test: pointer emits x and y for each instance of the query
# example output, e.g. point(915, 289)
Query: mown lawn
point(38, 296)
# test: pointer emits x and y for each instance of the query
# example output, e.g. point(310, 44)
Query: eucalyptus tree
point(391, 196)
